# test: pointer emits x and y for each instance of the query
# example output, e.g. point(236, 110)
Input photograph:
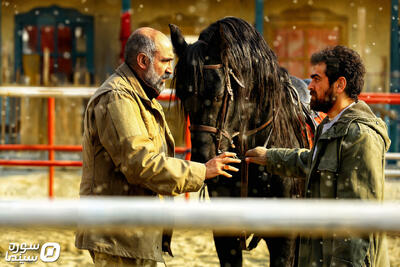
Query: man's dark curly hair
point(342, 61)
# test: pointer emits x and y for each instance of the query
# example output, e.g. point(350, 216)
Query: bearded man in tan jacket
point(128, 150)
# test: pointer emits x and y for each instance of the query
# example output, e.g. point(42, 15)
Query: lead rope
point(202, 193)
point(244, 180)
point(269, 136)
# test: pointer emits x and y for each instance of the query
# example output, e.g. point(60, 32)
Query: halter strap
point(220, 131)
point(220, 66)
point(212, 67)
point(213, 130)
point(256, 130)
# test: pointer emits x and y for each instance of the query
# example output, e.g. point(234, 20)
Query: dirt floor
point(191, 248)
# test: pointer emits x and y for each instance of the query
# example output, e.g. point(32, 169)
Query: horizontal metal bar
point(382, 101)
point(71, 148)
point(40, 163)
point(389, 173)
point(40, 147)
point(81, 92)
point(379, 94)
point(41, 91)
point(380, 98)
point(167, 95)
point(86, 92)
point(182, 150)
point(256, 215)
point(179, 150)
point(392, 156)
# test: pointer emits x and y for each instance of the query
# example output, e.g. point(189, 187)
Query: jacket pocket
point(150, 124)
point(327, 170)
point(338, 262)
point(329, 160)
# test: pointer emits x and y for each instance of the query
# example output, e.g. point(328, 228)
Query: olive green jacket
point(349, 163)
point(128, 150)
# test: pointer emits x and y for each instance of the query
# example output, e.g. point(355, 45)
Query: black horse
point(237, 98)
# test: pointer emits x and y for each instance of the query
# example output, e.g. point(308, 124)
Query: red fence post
point(188, 141)
point(188, 145)
point(50, 139)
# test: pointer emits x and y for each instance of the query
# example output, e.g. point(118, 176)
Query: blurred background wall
point(77, 42)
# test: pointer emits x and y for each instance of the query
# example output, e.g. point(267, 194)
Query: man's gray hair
point(138, 43)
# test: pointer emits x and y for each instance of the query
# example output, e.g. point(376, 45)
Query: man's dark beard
point(325, 104)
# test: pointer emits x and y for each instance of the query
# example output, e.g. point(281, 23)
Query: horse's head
point(204, 85)
point(228, 82)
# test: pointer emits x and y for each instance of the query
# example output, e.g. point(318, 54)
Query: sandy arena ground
point(191, 248)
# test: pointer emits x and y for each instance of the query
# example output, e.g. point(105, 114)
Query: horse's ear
point(223, 43)
point(178, 41)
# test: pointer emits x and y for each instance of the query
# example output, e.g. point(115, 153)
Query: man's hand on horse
point(219, 165)
point(257, 155)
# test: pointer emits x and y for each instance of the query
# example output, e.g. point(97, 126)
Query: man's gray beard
point(153, 80)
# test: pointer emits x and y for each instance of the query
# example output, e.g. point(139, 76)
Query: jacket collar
point(127, 74)
point(338, 129)
point(359, 112)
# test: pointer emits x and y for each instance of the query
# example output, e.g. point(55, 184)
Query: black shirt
point(150, 92)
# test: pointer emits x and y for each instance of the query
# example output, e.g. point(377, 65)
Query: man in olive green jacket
point(347, 160)
point(128, 150)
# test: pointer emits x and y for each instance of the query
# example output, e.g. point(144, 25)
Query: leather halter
point(220, 131)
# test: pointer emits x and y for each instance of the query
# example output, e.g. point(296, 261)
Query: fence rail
point(45, 92)
point(258, 215)
point(40, 91)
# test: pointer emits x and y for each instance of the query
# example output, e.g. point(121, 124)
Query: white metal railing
point(392, 156)
point(256, 215)
point(47, 91)
point(390, 173)
point(42, 91)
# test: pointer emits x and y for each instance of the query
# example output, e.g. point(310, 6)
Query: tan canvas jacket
point(128, 150)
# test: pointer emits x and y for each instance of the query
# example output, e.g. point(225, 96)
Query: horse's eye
point(213, 83)
point(184, 90)
point(218, 98)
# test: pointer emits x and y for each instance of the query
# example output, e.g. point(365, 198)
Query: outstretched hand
point(219, 165)
point(257, 155)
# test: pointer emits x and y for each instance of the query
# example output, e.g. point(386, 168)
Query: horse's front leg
point(283, 249)
point(227, 246)
point(228, 250)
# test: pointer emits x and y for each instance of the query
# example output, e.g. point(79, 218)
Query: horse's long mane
point(268, 90)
